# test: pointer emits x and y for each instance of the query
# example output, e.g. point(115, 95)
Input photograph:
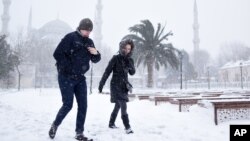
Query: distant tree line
point(8, 61)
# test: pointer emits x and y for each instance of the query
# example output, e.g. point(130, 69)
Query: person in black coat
point(72, 56)
point(120, 65)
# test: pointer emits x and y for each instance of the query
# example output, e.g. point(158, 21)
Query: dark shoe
point(129, 131)
point(112, 121)
point(52, 131)
point(80, 137)
point(113, 126)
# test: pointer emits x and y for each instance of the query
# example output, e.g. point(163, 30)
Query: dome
point(55, 28)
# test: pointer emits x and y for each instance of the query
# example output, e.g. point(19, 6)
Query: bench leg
point(179, 107)
point(215, 116)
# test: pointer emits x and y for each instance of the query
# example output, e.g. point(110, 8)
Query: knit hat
point(85, 24)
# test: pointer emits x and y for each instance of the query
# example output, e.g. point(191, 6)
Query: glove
point(130, 63)
point(100, 88)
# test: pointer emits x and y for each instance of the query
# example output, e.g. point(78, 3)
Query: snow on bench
point(147, 96)
point(169, 98)
point(143, 97)
point(185, 103)
point(234, 109)
point(164, 99)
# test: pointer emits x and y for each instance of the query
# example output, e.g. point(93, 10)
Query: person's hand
point(92, 50)
point(129, 62)
point(100, 88)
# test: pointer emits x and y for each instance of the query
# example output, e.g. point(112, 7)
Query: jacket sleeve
point(96, 58)
point(62, 52)
point(131, 66)
point(107, 72)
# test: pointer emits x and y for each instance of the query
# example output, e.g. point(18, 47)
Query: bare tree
point(232, 52)
point(19, 54)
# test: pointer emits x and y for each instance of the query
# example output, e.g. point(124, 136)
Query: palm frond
point(140, 59)
point(149, 28)
point(136, 29)
point(160, 32)
point(157, 66)
point(134, 37)
point(165, 36)
point(166, 54)
point(145, 29)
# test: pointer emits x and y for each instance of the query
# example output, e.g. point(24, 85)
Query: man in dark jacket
point(120, 65)
point(72, 56)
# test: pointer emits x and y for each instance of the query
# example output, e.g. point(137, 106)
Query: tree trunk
point(150, 65)
point(19, 81)
point(19, 77)
point(8, 81)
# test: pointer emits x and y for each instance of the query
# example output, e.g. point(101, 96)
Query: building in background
point(233, 71)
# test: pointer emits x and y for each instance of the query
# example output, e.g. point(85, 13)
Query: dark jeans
point(120, 104)
point(69, 88)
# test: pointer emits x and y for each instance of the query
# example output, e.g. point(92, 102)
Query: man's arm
point(62, 52)
point(95, 55)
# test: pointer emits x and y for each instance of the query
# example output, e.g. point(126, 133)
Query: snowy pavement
point(27, 116)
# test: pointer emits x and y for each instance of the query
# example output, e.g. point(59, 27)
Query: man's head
point(85, 26)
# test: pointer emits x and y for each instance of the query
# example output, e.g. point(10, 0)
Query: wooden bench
point(172, 92)
point(164, 99)
point(143, 97)
point(196, 93)
point(211, 95)
point(185, 103)
point(147, 95)
point(161, 99)
point(131, 97)
point(231, 110)
point(245, 95)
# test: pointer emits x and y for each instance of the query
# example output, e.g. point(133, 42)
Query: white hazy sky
point(220, 21)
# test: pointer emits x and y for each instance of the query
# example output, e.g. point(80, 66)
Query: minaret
point(29, 27)
point(5, 16)
point(196, 39)
point(197, 66)
point(98, 26)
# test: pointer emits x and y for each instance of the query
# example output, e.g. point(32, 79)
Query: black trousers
point(70, 88)
point(120, 104)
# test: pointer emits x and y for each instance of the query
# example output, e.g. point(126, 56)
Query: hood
point(123, 43)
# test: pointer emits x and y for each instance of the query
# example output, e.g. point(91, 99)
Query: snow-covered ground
point(27, 116)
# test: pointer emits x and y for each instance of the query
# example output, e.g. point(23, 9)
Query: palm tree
point(150, 48)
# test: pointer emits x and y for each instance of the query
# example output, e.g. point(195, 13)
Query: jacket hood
point(123, 43)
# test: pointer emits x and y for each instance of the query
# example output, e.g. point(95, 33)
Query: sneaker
point(113, 126)
point(129, 131)
point(52, 131)
point(81, 137)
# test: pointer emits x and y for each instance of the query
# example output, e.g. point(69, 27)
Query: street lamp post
point(241, 79)
point(181, 57)
point(91, 78)
point(208, 78)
